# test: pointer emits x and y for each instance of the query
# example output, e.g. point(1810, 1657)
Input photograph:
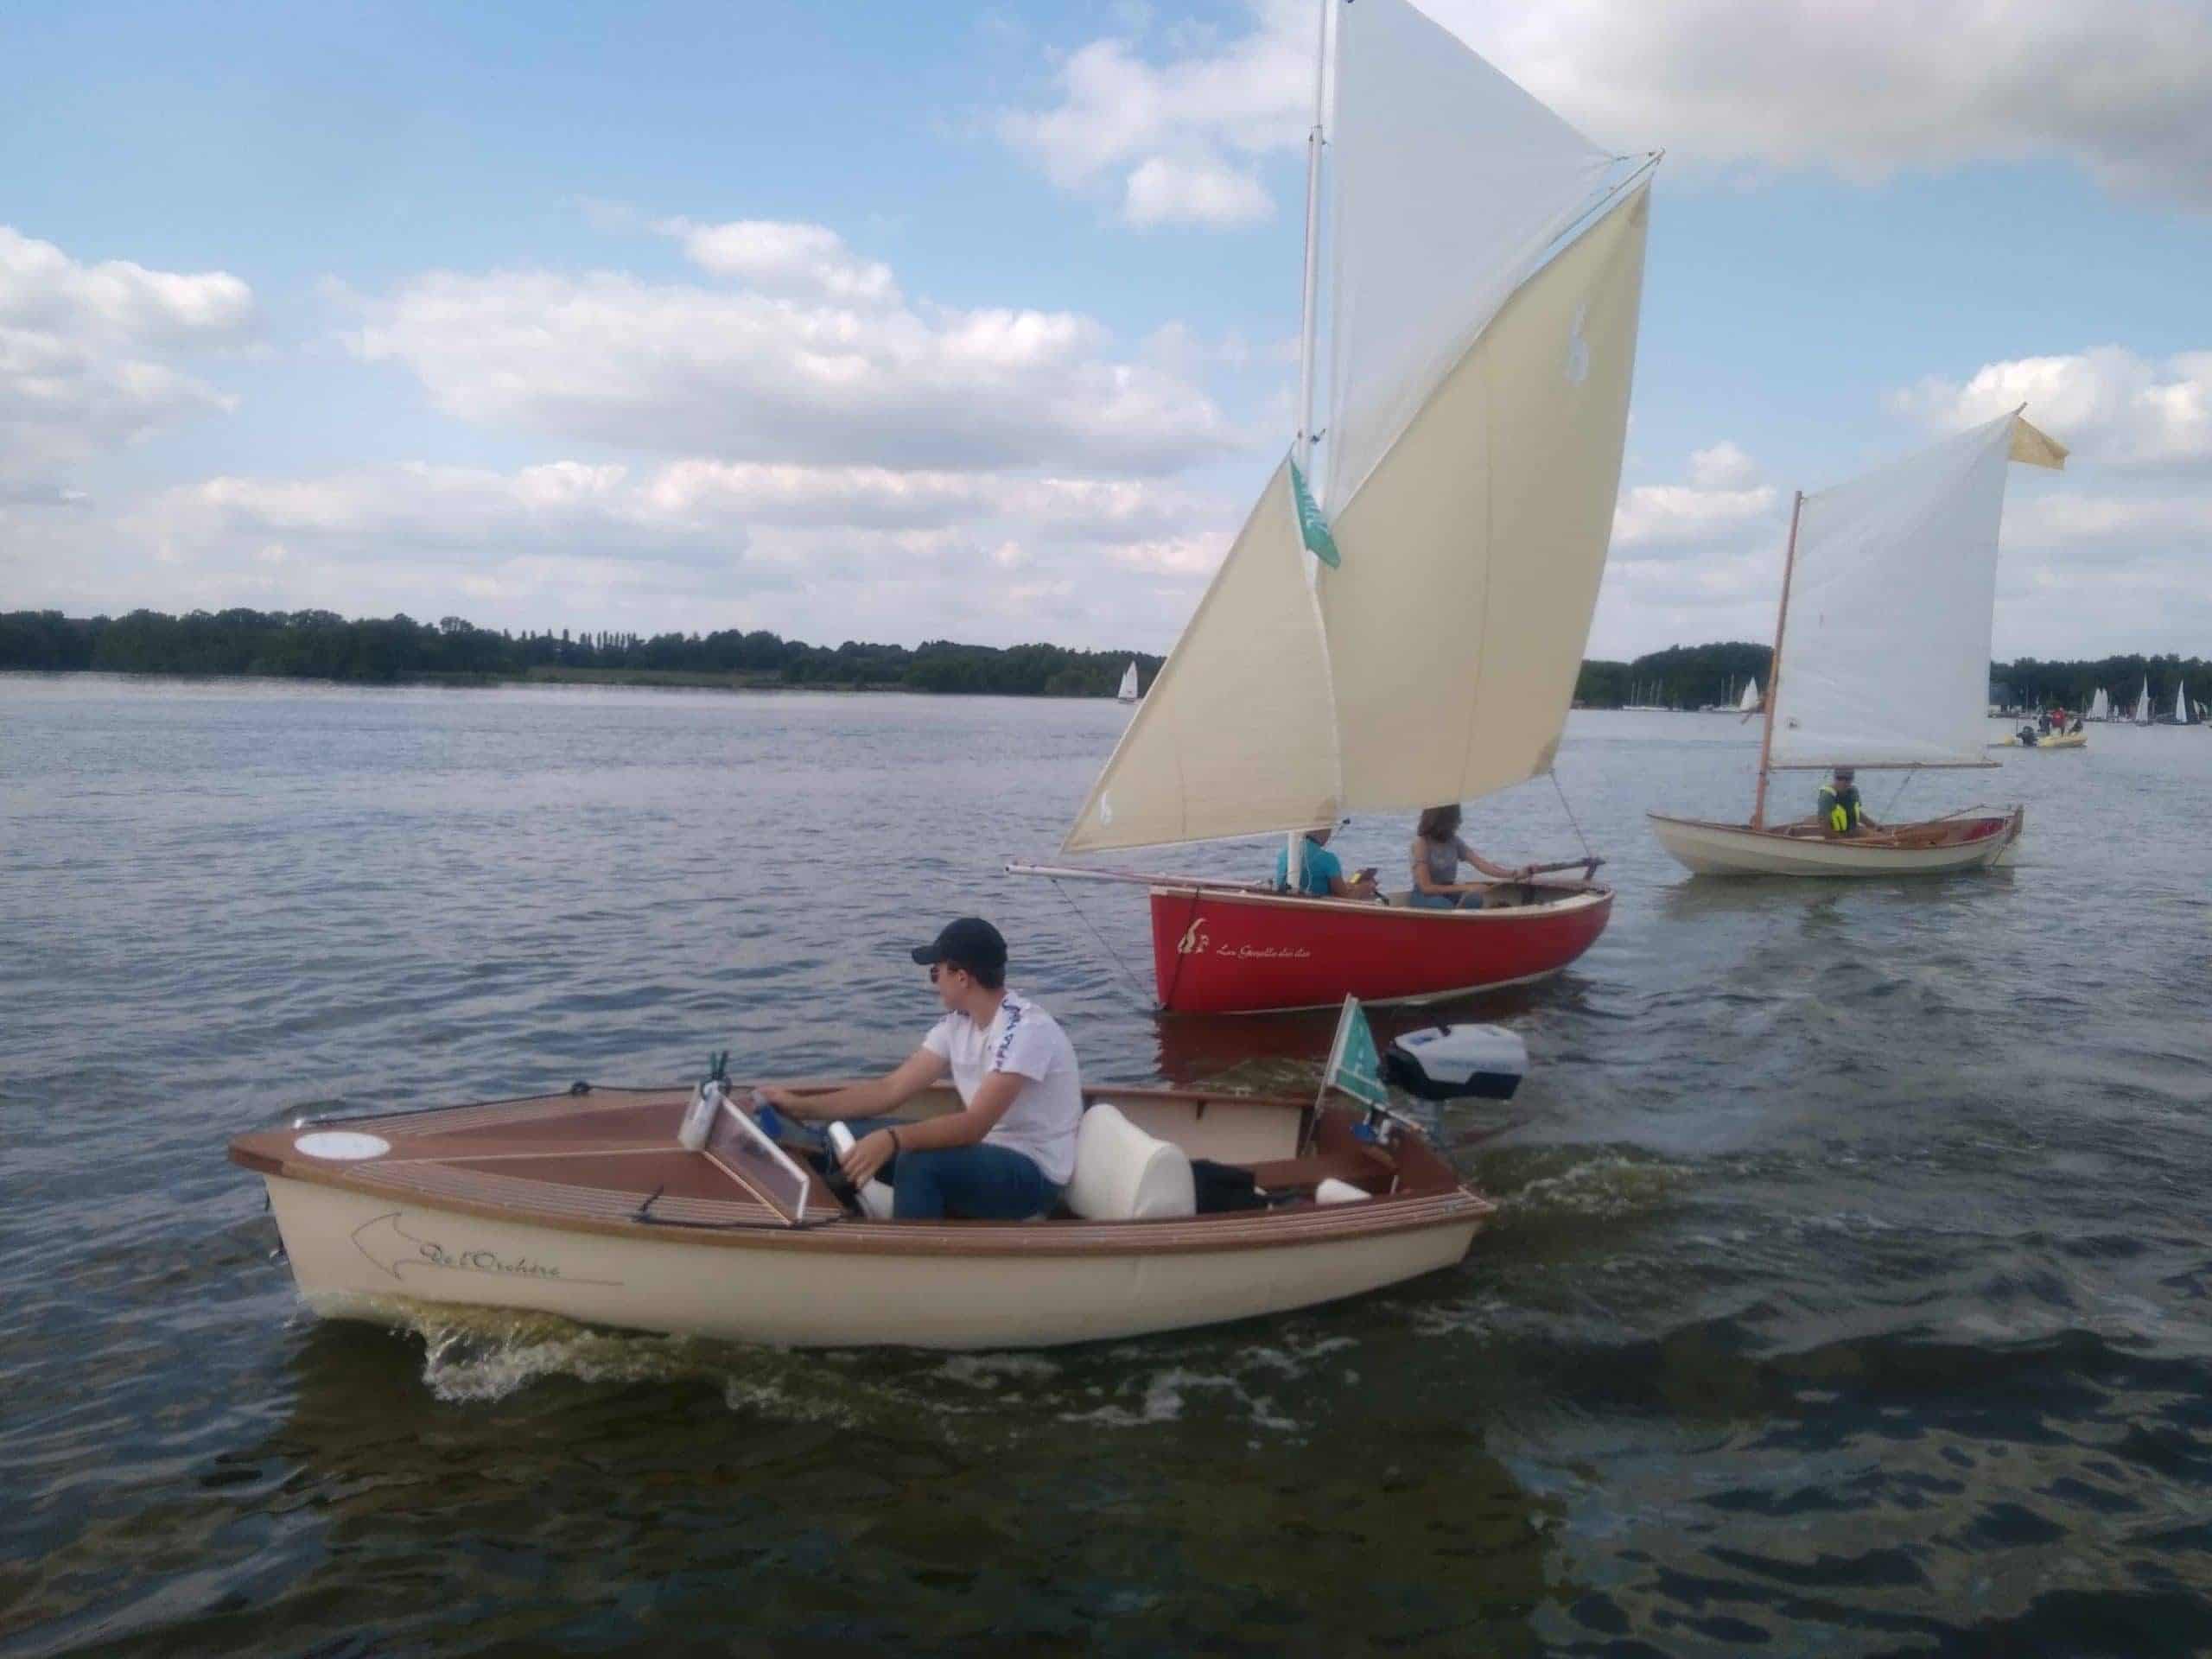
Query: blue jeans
point(977, 1183)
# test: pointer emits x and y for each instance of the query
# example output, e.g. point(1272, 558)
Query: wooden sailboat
point(1412, 637)
point(1860, 679)
point(590, 1208)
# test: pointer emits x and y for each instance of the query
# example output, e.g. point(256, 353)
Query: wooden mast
point(1774, 665)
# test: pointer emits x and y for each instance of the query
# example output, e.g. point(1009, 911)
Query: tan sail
point(1235, 737)
point(2035, 449)
point(1439, 660)
point(1471, 555)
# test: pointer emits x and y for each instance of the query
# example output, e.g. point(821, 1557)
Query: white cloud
point(2119, 90)
point(817, 553)
point(42, 288)
point(1174, 348)
point(2108, 404)
point(1692, 562)
point(2103, 527)
point(89, 358)
point(1722, 466)
point(808, 261)
point(708, 503)
point(1195, 190)
point(846, 373)
point(1185, 131)
point(1195, 556)
point(1721, 508)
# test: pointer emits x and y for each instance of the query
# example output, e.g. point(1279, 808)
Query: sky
point(862, 319)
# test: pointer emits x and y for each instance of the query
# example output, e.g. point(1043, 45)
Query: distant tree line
point(1681, 676)
point(2036, 684)
point(1692, 676)
point(320, 645)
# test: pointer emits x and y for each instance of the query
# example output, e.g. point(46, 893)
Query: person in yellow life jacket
point(1838, 811)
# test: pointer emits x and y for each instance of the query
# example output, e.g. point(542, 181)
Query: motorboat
point(589, 1204)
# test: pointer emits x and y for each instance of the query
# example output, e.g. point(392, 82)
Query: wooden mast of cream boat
point(1774, 668)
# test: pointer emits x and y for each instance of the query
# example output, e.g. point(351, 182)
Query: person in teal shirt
point(1323, 875)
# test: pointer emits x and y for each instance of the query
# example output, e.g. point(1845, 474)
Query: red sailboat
point(1419, 643)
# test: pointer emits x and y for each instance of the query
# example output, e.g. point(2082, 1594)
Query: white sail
point(1234, 738)
point(1472, 555)
point(2181, 705)
point(1884, 655)
point(1449, 185)
point(1436, 658)
point(1751, 703)
point(2100, 706)
point(1128, 691)
point(2143, 704)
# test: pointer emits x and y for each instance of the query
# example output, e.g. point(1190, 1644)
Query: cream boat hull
point(541, 1205)
point(816, 1299)
point(1738, 849)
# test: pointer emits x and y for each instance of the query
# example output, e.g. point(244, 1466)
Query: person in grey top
point(1437, 852)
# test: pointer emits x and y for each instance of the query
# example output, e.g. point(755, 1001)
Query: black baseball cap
point(970, 942)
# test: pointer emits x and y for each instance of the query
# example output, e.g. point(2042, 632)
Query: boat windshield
point(736, 1143)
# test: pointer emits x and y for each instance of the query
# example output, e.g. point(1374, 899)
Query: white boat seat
point(1123, 1174)
point(875, 1197)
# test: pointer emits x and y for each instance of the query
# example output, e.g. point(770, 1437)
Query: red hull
point(1217, 952)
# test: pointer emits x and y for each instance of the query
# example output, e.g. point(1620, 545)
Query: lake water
point(1850, 1292)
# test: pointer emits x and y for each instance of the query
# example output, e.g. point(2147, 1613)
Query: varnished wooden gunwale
point(429, 1148)
point(1928, 836)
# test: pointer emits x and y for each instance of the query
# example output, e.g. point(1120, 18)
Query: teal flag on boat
point(1311, 524)
point(1354, 1066)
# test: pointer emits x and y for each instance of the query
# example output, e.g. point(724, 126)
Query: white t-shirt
point(1022, 1038)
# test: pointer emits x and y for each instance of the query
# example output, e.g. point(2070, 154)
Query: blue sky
point(512, 313)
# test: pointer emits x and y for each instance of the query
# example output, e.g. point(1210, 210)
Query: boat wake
point(474, 1356)
point(1582, 1181)
point(482, 1356)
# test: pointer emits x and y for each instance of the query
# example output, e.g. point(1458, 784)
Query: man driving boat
point(1838, 809)
point(1004, 1156)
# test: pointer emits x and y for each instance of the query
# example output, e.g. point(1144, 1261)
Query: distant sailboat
point(2181, 705)
point(2143, 704)
point(1128, 691)
point(1927, 526)
point(1750, 705)
point(2100, 706)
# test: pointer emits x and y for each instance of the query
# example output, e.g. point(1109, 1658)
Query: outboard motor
point(1458, 1062)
